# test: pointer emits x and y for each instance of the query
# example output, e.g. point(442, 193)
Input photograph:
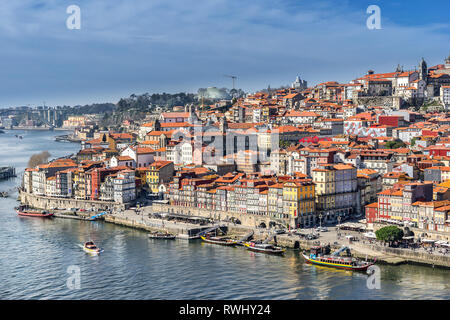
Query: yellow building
point(159, 172)
point(74, 121)
point(336, 190)
point(298, 201)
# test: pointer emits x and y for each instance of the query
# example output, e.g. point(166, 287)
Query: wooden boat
point(33, 213)
point(90, 247)
point(335, 261)
point(162, 236)
point(219, 241)
point(264, 248)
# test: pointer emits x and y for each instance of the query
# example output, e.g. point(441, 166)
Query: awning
point(428, 240)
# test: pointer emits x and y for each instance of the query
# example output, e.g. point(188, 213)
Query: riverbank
point(383, 255)
point(68, 138)
point(50, 203)
point(143, 221)
point(36, 128)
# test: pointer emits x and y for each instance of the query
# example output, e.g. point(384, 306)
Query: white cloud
point(136, 46)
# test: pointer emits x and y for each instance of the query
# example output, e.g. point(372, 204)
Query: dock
point(7, 172)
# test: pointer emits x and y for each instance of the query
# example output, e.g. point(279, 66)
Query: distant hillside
point(94, 108)
point(147, 102)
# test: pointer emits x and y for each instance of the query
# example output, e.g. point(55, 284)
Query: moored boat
point(264, 248)
point(335, 261)
point(90, 247)
point(219, 241)
point(162, 236)
point(33, 213)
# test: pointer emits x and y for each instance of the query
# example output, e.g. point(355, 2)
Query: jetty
point(7, 172)
point(67, 138)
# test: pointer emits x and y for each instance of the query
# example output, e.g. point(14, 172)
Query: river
point(37, 254)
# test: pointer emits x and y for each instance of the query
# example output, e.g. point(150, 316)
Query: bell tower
point(423, 70)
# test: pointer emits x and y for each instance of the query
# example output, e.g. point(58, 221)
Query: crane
point(232, 77)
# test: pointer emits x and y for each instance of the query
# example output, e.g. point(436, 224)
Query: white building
point(125, 186)
point(445, 96)
point(142, 156)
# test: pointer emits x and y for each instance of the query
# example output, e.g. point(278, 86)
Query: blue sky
point(137, 46)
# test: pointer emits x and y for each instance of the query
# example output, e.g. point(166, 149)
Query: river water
point(37, 255)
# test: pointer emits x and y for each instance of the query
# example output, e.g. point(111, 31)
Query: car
point(323, 229)
point(280, 231)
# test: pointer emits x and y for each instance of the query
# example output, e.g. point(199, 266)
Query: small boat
point(264, 248)
point(162, 236)
point(33, 213)
point(219, 241)
point(335, 261)
point(90, 247)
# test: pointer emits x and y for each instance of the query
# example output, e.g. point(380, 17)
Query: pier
point(7, 172)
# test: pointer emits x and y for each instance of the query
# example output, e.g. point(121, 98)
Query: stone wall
point(434, 235)
point(383, 101)
point(413, 256)
point(246, 219)
point(48, 203)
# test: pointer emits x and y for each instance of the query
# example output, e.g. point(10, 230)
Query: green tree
point(413, 141)
point(389, 234)
point(395, 144)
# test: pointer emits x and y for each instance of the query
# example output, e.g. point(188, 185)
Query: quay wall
point(155, 225)
point(431, 234)
point(249, 220)
point(415, 257)
point(48, 203)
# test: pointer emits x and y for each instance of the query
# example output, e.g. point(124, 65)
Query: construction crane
point(232, 77)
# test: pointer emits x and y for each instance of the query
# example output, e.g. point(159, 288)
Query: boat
point(90, 247)
point(162, 236)
point(33, 213)
point(217, 240)
point(264, 248)
point(335, 261)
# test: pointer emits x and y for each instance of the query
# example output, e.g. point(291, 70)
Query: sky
point(137, 46)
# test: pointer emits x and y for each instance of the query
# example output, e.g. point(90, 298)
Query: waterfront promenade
point(143, 219)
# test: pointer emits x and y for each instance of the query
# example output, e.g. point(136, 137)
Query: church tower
point(157, 125)
point(223, 125)
point(423, 70)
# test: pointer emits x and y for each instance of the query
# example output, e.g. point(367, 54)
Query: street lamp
point(320, 220)
point(339, 227)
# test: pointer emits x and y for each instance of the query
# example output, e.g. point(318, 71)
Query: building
point(336, 191)
point(124, 186)
point(445, 96)
point(299, 202)
point(159, 172)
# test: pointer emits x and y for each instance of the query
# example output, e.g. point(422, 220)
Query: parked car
point(280, 231)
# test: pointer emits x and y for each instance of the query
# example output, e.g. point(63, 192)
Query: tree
point(38, 158)
point(395, 144)
point(413, 141)
point(389, 234)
